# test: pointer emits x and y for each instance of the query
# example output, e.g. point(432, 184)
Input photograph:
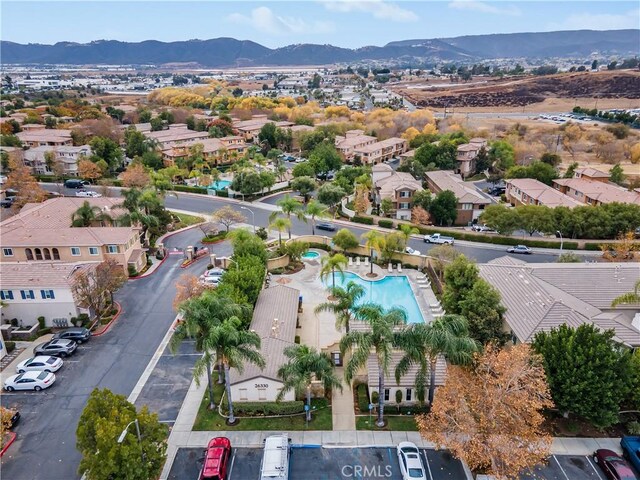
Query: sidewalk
point(344, 418)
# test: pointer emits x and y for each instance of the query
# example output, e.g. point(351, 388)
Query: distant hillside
point(227, 52)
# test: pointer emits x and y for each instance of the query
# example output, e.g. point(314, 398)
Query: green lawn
point(211, 420)
point(186, 220)
point(405, 423)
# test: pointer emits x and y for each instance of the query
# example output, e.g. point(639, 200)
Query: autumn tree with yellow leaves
point(25, 184)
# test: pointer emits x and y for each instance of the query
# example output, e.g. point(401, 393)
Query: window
point(386, 394)
point(8, 252)
point(93, 250)
point(405, 194)
point(75, 251)
point(403, 206)
point(112, 249)
point(56, 253)
point(47, 254)
point(29, 253)
point(47, 294)
point(409, 392)
point(243, 394)
point(27, 294)
point(262, 394)
point(6, 295)
point(467, 206)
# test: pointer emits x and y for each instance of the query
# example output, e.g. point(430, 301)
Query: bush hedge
point(268, 408)
point(362, 392)
point(188, 189)
point(385, 223)
point(320, 246)
point(214, 238)
point(222, 193)
point(11, 346)
point(363, 220)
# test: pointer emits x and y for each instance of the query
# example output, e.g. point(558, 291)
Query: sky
point(344, 23)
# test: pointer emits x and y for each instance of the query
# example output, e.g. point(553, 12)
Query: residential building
point(42, 232)
point(274, 319)
point(216, 151)
point(44, 137)
point(345, 145)
point(594, 192)
point(542, 296)
point(591, 174)
point(32, 290)
point(528, 191)
point(471, 203)
point(466, 156)
point(374, 153)
point(399, 187)
point(176, 134)
point(249, 129)
point(67, 155)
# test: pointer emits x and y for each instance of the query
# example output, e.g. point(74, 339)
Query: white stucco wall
point(259, 389)
point(27, 311)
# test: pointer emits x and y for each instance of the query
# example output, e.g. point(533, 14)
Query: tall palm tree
point(315, 210)
point(200, 315)
point(407, 231)
point(629, 297)
point(422, 344)
point(235, 346)
point(87, 214)
point(306, 364)
point(280, 224)
point(289, 206)
point(373, 241)
point(329, 266)
point(379, 338)
point(344, 303)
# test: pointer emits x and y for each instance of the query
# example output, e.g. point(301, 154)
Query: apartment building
point(471, 204)
point(42, 233)
point(67, 156)
point(591, 174)
point(45, 137)
point(585, 190)
point(345, 145)
point(216, 151)
point(466, 156)
point(399, 187)
point(175, 135)
point(249, 129)
point(378, 152)
point(527, 191)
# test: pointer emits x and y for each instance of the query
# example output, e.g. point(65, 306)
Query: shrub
point(375, 398)
point(84, 318)
point(188, 189)
point(362, 392)
point(398, 396)
point(132, 270)
point(268, 408)
point(11, 346)
point(363, 220)
point(385, 223)
point(222, 193)
point(14, 322)
point(214, 238)
point(262, 233)
point(41, 322)
point(320, 246)
point(633, 427)
point(43, 331)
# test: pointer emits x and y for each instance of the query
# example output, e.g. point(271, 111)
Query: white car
point(411, 251)
point(88, 194)
point(39, 364)
point(30, 381)
point(211, 281)
point(214, 272)
point(410, 464)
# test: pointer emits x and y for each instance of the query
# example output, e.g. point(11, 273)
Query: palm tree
point(373, 241)
point(86, 215)
point(315, 210)
point(200, 315)
point(329, 266)
point(407, 231)
point(234, 345)
point(280, 224)
point(289, 206)
point(422, 344)
point(344, 303)
point(379, 338)
point(306, 364)
point(629, 297)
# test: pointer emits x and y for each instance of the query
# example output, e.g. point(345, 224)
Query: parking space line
point(426, 459)
point(590, 462)
point(233, 459)
point(561, 469)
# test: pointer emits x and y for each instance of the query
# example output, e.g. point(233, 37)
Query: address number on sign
point(262, 385)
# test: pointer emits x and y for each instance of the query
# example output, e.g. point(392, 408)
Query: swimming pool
point(388, 292)
point(310, 255)
point(220, 185)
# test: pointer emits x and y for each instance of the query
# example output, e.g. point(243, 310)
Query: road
point(45, 446)
point(479, 252)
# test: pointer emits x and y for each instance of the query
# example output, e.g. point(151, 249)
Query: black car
point(78, 335)
point(326, 226)
point(56, 348)
point(75, 183)
point(7, 202)
point(15, 416)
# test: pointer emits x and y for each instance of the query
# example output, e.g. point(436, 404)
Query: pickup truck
point(439, 239)
point(631, 450)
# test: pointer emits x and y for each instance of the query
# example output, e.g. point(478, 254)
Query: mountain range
point(229, 52)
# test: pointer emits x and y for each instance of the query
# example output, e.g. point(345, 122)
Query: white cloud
point(378, 8)
point(264, 20)
point(483, 7)
point(598, 21)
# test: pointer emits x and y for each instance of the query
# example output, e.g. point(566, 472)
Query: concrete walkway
point(344, 418)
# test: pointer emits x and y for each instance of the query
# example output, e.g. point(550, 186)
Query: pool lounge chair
point(399, 268)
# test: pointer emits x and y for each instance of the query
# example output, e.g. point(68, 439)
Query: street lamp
point(558, 232)
point(253, 217)
point(124, 434)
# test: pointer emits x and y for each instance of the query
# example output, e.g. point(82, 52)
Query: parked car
point(88, 194)
point(482, 228)
point(14, 417)
point(41, 363)
point(519, 249)
point(613, 465)
point(411, 251)
point(7, 202)
point(439, 239)
point(210, 281)
point(30, 381)
point(217, 459)
point(300, 160)
point(631, 450)
point(329, 227)
point(214, 272)
point(59, 348)
point(75, 183)
point(411, 466)
point(77, 334)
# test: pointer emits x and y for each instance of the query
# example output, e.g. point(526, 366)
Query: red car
point(216, 460)
point(613, 465)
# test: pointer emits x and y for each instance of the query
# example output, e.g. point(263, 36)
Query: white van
point(275, 459)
